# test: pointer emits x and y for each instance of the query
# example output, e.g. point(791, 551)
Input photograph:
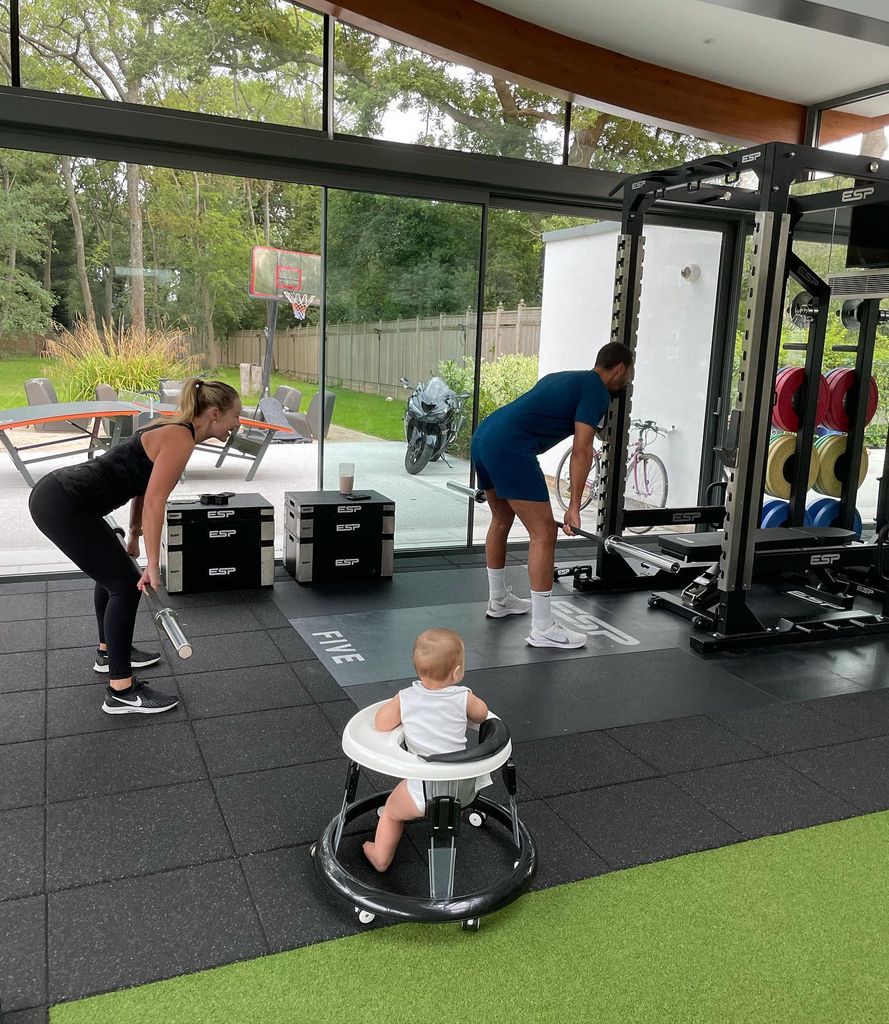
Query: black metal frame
point(777, 166)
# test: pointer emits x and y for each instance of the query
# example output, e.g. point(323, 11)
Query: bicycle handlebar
point(643, 425)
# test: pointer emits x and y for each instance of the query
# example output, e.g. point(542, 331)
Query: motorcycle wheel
point(417, 455)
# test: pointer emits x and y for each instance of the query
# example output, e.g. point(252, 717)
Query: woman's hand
point(151, 577)
point(133, 544)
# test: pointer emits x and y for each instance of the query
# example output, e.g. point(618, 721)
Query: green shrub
point(128, 360)
point(501, 382)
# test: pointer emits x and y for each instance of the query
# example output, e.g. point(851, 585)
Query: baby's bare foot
point(371, 854)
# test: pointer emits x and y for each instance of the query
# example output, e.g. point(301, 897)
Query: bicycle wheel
point(646, 486)
point(563, 481)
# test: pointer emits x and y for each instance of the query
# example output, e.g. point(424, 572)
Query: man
point(504, 451)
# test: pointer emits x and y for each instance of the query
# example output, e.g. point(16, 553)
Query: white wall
point(675, 331)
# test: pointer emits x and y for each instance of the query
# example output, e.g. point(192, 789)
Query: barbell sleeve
point(168, 620)
point(618, 546)
point(477, 495)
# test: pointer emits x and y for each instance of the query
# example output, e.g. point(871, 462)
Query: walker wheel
point(654, 602)
point(365, 916)
point(477, 818)
point(312, 849)
point(472, 924)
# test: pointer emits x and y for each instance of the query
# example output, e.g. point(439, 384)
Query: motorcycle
point(432, 421)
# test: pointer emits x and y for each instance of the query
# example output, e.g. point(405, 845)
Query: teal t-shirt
point(546, 414)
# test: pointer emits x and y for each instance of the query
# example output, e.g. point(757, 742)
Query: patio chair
point(170, 391)
point(289, 397)
point(310, 422)
point(128, 426)
point(39, 391)
point(252, 442)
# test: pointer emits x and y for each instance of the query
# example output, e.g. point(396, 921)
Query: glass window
point(610, 143)
point(5, 65)
point(260, 62)
point(126, 274)
point(402, 293)
point(392, 92)
point(870, 136)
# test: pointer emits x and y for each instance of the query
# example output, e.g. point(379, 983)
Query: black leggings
point(93, 546)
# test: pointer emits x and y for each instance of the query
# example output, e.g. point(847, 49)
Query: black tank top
point(104, 484)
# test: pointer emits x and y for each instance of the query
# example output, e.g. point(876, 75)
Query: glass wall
point(388, 91)
point(402, 294)
point(260, 62)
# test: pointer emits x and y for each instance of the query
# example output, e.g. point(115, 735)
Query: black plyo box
point(329, 537)
point(218, 547)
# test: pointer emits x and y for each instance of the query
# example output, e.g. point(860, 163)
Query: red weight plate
point(838, 385)
point(787, 384)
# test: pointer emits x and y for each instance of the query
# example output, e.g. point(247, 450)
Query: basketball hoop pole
point(270, 324)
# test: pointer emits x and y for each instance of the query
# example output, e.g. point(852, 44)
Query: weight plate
point(789, 386)
point(825, 512)
point(832, 454)
point(781, 465)
point(774, 513)
point(839, 384)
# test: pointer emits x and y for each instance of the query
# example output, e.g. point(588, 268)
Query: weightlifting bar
point(613, 545)
point(166, 618)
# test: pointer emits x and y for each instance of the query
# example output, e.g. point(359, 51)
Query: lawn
point(370, 414)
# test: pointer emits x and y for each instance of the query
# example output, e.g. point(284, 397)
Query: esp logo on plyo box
point(222, 514)
point(223, 571)
point(346, 561)
point(348, 508)
point(347, 527)
point(222, 533)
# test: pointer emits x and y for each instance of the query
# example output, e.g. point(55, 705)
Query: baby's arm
point(476, 709)
point(389, 715)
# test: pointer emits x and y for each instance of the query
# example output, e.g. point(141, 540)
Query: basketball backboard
point(274, 271)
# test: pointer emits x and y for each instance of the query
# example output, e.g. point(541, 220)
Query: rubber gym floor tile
point(14, 608)
point(72, 710)
point(132, 931)
point(785, 727)
point(865, 712)
point(22, 716)
point(117, 762)
point(562, 855)
point(22, 671)
point(206, 599)
point(267, 613)
point(467, 558)
point(23, 953)
point(74, 583)
point(74, 666)
point(67, 603)
point(221, 653)
point(39, 1015)
point(865, 664)
point(640, 822)
point(855, 772)
point(785, 675)
point(80, 630)
point(683, 744)
point(319, 683)
point(338, 713)
point(291, 644)
point(420, 562)
point(23, 587)
point(284, 806)
point(142, 833)
point(28, 635)
point(22, 771)
point(213, 694)
point(295, 908)
point(21, 852)
point(218, 619)
point(762, 798)
point(565, 764)
point(266, 739)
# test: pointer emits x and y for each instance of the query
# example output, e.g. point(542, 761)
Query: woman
point(70, 505)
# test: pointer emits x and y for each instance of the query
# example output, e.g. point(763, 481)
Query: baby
point(434, 711)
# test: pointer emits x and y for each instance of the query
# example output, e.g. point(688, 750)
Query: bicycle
point(646, 484)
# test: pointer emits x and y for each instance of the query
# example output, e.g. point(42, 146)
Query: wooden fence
point(373, 356)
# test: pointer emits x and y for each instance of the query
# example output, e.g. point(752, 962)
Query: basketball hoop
point(299, 302)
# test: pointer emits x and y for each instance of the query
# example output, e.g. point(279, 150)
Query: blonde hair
point(198, 396)
point(437, 652)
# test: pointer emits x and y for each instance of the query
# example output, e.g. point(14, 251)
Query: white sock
point(541, 608)
point(497, 583)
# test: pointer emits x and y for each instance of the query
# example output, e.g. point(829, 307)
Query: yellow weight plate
point(832, 452)
point(780, 465)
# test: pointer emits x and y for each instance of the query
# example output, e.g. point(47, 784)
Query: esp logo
point(853, 195)
point(223, 571)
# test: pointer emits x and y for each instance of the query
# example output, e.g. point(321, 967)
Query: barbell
point(166, 618)
point(613, 545)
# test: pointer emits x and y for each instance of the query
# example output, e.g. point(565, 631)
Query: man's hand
point(572, 521)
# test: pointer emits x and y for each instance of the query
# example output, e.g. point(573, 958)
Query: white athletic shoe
point(508, 605)
point(556, 635)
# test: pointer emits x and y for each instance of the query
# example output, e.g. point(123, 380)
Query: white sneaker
point(508, 605)
point(556, 635)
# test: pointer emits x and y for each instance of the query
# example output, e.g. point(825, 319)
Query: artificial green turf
point(788, 928)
